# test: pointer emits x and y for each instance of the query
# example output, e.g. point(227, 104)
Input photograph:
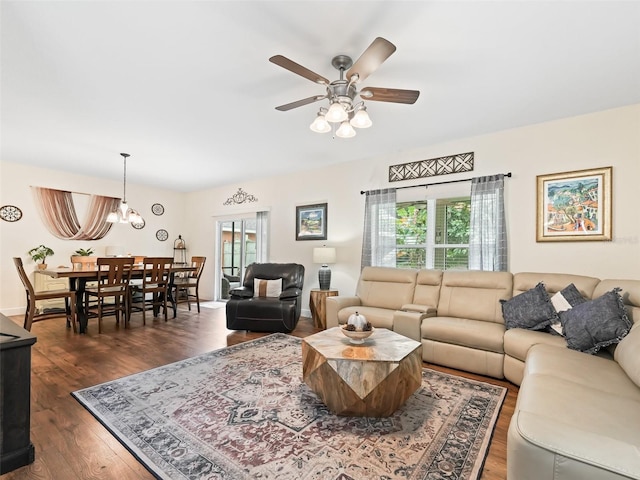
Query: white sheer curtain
point(379, 237)
point(262, 230)
point(488, 231)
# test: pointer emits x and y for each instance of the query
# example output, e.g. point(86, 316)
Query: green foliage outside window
point(452, 222)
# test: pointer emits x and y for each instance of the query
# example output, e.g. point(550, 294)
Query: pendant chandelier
point(124, 214)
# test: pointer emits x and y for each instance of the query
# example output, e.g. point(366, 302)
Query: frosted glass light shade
point(345, 130)
point(320, 124)
point(361, 119)
point(336, 113)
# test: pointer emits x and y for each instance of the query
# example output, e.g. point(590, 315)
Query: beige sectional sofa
point(577, 415)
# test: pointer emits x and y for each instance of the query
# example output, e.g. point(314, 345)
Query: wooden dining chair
point(186, 289)
point(152, 292)
point(31, 315)
point(111, 290)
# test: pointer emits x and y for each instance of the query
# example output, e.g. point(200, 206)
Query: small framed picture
point(311, 222)
point(574, 206)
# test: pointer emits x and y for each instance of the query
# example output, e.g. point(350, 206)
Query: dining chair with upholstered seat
point(152, 292)
point(111, 290)
point(31, 315)
point(186, 289)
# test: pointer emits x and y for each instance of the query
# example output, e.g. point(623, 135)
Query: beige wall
point(19, 237)
point(596, 140)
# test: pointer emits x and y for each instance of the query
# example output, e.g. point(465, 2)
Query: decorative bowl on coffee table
point(357, 337)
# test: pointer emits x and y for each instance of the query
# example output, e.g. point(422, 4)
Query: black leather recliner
point(267, 314)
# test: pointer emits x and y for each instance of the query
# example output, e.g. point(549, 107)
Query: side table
point(318, 303)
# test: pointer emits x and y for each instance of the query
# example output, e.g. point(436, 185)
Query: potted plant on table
point(40, 254)
point(84, 252)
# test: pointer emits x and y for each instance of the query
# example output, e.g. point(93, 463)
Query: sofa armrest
point(408, 323)
point(241, 292)
point(290, 293)
point(425, 310)
point(335, 304)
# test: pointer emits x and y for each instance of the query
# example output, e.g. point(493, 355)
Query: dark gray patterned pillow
point(562, 301)
point(598, 323)
point(531, 310)
point(572, 295)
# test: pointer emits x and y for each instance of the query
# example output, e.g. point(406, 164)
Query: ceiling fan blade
point(375, 54)
point(294, 67)
point(389, 95)
point(300, 103)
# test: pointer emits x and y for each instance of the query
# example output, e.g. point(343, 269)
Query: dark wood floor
point(71, 444)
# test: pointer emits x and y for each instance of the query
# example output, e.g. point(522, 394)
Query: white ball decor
point(357, 328)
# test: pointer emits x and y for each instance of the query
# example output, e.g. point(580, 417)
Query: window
point(433, 233)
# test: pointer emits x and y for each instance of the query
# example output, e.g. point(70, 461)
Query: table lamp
point(324, 255)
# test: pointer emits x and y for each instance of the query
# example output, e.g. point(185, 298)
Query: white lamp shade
point(114, 251)
point(320, 124)
point(345, 130)
point(324, 255)
point(361, 119)
point(336, 113)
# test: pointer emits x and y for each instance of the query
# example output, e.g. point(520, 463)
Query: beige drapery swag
point(58, 214)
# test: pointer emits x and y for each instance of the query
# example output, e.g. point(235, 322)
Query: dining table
point(79, 276)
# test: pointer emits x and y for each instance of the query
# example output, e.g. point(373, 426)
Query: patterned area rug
point(243, 412)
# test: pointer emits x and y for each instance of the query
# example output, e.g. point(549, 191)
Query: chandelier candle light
point(324, 255)
point(124, 214)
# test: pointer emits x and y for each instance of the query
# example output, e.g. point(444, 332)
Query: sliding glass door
point(242, 241)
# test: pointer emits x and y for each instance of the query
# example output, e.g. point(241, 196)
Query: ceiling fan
point(343, 107)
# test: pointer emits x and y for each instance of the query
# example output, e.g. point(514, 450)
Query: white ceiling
point(186, 87)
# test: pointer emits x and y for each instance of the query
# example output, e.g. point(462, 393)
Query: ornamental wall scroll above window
point(240, 197)
point(461, 162)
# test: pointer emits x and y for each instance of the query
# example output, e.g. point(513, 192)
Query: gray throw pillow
point(564, 300)
point(572, 295)
point(598, 323)
point(531, 310)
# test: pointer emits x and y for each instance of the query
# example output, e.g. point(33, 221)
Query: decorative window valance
point(58, 214)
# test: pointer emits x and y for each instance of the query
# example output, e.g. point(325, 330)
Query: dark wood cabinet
point(16, 449)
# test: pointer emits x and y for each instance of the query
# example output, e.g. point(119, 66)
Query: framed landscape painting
point(311, 222)
point(574, 206)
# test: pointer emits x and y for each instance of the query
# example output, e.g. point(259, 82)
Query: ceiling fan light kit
point(344, 113)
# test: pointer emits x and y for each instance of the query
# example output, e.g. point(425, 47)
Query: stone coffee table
point(369, 380)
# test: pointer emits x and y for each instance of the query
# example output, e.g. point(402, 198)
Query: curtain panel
point(379, 236)
point(58, 213)
point(488, 231)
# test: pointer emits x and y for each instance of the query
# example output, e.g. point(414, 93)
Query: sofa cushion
point(599, 372)
point(267, 288)
point(531, 309)
point(554, 282)
point(578, 422)
point(595, 324)
point(518, 341)
point(427, 291)
point(386, 287)
point(464, 332)
point(474, 295)
point(378, 317)
point(627, 354)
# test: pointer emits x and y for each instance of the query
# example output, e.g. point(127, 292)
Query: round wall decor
point(138, 225)
point(162, 234)
point(157, 209)
point(10, 213)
